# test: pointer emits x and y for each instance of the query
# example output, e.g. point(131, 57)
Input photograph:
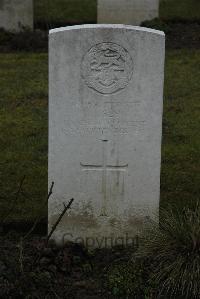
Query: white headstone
point(15, 15)
point(132, 12)
point(105, 122)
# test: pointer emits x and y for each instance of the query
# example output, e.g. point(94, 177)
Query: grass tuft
point(174, 251)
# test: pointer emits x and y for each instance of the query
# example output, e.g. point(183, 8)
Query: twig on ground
point(21, 255)
point(60, 218)
point(38, 219)
point(56, 295)
point(15, 199)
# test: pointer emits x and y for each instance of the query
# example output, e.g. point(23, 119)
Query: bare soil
point(32, 269)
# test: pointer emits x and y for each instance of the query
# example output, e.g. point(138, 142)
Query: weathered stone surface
point(132, 12)
point(105, 120)
point(15, 15)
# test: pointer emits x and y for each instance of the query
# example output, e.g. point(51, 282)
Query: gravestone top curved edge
point(107, 26)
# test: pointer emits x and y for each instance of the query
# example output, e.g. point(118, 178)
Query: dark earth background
point(179, 35)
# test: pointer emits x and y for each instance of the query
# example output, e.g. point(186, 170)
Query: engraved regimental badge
point(107, 68)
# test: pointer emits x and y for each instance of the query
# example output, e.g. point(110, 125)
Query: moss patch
point(23, 133)
point(180, 9)
point(64, 12)
point(181, 142)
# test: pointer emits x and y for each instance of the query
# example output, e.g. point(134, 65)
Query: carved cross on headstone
point(104, 168)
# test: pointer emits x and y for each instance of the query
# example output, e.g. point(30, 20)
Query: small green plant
point(130, 280)
point(174, 251)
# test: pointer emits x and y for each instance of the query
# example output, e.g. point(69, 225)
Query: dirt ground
point(32, 269)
